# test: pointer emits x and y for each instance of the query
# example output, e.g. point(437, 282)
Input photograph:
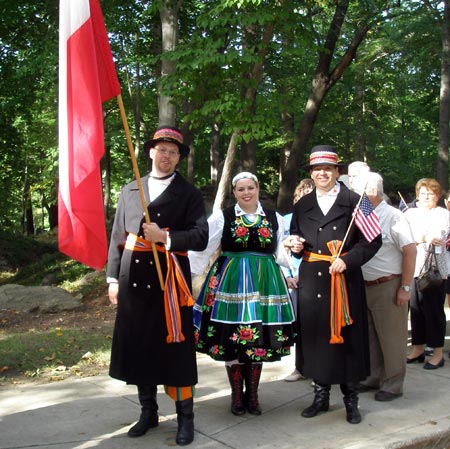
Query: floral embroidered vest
point(240, 235)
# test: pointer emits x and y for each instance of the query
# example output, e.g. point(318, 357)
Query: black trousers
point(428, 320)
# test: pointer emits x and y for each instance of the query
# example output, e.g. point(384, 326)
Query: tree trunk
point(250, 96)
point(360, 148)
point(444, 106)
point(27, 216)
point(188, 137)
point(324, 79)
point(169, 30)
point(290, 173)
point(248, 156)
point(215, 153)
point(222, 190)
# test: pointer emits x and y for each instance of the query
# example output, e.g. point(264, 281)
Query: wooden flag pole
point(139, 183)
point(404, 202)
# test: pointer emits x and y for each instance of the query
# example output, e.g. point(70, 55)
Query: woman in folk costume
point(244, 314)
point(153, 342)
point(321, 222)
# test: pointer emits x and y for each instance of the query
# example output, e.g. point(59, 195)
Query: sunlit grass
point(56, 353)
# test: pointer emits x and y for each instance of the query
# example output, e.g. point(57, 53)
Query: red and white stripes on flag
point(87, 77)
point(367, 220)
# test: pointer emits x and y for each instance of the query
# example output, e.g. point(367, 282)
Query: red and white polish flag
point(87, 77)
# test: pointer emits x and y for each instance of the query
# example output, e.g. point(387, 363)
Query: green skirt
point(244, 309)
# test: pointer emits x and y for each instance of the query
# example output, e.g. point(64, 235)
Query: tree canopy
point(261, 80)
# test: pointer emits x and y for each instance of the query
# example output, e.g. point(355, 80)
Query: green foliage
point(388, 98)
point(34, 259)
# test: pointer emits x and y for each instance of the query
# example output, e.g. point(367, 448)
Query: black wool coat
point(140, 354)
point(324, 362)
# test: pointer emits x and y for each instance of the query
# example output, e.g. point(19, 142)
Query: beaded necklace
point(249, 224)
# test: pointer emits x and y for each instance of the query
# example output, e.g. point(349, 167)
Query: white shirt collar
point(331, 193)
point(259, 210)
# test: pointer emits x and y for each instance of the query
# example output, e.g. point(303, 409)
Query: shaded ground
point(96, 312)
point(96, 316)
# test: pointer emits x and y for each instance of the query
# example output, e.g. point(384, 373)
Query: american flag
point(367, 219)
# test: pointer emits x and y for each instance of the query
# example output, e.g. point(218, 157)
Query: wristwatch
point(407, 288)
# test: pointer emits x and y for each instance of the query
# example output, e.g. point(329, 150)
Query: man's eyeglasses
point(166, 152)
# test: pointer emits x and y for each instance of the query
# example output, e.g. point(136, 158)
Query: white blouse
point(199, 259)
point(431, 223)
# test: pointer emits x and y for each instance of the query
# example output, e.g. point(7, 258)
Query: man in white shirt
point(389, 278)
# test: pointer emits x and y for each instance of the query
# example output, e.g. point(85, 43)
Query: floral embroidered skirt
point(244, 310)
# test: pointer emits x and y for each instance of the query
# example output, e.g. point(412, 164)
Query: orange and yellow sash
point(175, 282)
point(339, 309)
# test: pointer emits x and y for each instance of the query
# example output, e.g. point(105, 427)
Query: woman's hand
point(292, 283)
point(296, 243)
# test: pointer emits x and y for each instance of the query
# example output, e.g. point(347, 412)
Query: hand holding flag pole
point(139, 183)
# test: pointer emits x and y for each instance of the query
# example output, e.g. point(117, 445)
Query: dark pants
point(428, 320)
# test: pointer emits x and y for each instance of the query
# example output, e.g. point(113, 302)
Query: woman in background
point(430, 225)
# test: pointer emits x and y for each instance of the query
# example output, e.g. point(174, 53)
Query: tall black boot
point(350, 392)
point(185, 418)
point(321, 402)
point(149, 411)
point(236, 378)
point(252, 376)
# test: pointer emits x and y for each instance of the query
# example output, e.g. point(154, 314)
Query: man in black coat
point(153, 341)
point(333, 330)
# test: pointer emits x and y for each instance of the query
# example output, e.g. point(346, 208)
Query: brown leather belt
point(382, 279)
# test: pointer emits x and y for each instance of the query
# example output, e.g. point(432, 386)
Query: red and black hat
point(167, 134)
point(323, 155)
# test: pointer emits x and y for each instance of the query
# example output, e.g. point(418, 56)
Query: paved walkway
point(96, 412)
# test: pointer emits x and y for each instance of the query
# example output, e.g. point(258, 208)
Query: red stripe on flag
point(367, 219)
point(86, 79)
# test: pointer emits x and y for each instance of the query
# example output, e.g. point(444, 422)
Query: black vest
point(256, 236)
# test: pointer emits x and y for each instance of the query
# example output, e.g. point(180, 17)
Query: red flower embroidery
point(212, 282)
point(246, 334)
point(241, 231)
point(209, 300)
point(260, 352)
point(264, 232)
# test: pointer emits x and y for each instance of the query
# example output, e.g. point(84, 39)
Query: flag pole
point(351, 222)
point(139, 183)
point(404, 202)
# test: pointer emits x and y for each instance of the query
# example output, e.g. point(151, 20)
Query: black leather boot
point(252, 376)
point(185, 418)
point(321, 402)
point(236, 378)
point(149, 411)
point(350, 392)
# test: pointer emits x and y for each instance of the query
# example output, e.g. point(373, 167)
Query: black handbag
point(429, 276)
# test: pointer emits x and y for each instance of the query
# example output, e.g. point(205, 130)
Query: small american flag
point(367, 219)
